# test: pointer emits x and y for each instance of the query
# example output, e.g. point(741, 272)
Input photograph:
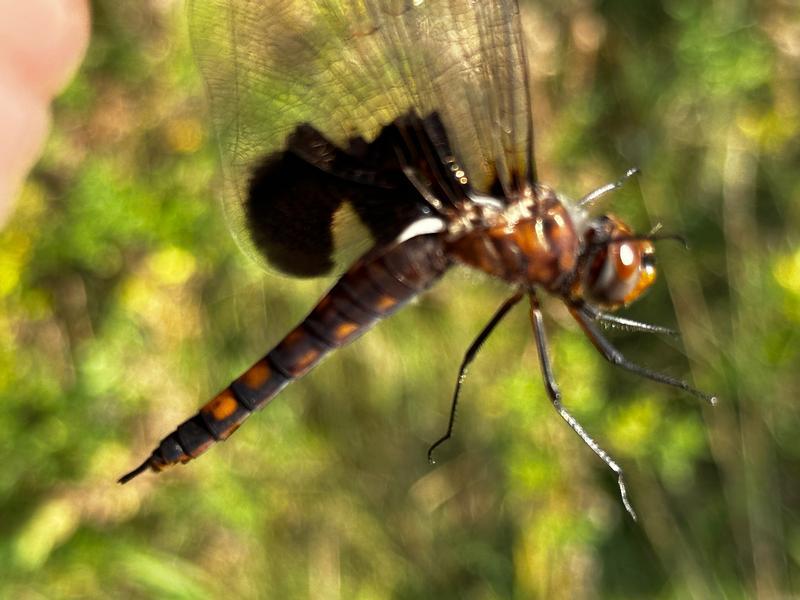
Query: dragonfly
point(388, 141)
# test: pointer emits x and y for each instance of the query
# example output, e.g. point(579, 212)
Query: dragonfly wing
point(346, 69)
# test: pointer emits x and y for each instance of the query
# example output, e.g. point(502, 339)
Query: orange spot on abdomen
point(344, 330)
point(257, 375)
point(221, 407)
point(297, 340)
point(386, 302)
point(294, 336)
point(306, 360)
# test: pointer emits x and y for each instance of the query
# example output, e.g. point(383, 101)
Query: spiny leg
point(555, 397)
point(615, 357)
point(595, 195)
point(472, 351)
point(622, 322)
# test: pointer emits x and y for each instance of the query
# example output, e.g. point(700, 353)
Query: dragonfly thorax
point(539, 242)
point(533, 242)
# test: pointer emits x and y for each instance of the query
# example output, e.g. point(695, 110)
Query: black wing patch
point(348, 69)
point(298, 198)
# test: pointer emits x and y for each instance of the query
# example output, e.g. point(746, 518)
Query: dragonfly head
point(615, 266)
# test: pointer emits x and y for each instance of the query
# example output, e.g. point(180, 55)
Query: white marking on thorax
point(421, 226)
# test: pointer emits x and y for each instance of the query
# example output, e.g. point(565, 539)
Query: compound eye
point(627, 260)
point(649, 261)
point(621, 273)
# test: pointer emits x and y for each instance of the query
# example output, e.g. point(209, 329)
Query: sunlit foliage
point(125, 304)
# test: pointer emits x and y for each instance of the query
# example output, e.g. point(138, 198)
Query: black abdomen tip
point(137, 471)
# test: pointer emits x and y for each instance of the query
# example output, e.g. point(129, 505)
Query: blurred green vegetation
point(125, 304)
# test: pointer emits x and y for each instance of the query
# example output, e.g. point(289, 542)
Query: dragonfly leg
point(555, 397)
point(622, 322)
point(615, 357)
point(472, 351)
point(595, 195)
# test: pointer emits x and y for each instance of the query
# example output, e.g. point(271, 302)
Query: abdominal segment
point(377, 285)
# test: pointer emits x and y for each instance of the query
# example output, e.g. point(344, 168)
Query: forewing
point(348, 68)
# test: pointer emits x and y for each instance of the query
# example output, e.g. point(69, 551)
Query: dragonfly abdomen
point(375, 287)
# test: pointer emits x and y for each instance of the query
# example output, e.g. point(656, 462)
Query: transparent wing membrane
point(348, 68)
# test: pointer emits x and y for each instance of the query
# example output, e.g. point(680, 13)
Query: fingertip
point(24, 121)
point(43, 41)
